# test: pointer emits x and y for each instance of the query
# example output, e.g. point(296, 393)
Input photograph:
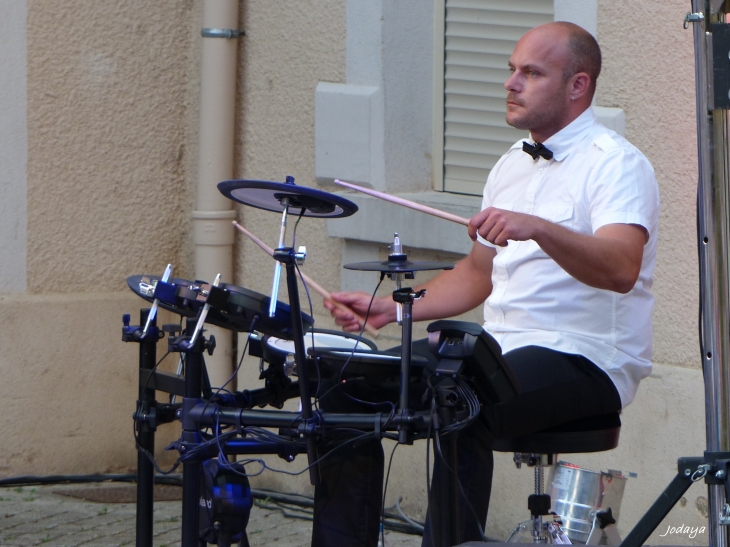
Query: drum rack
point(197, 411)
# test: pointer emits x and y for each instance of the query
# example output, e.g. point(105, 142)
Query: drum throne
point(465, 347)
point(540, 450)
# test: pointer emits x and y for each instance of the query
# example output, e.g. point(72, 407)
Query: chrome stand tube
point(713, 220)
point(277, 266)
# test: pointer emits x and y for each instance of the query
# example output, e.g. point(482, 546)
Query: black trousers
point(556, 388)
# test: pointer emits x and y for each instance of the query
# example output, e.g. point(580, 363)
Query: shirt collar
point(568, 137)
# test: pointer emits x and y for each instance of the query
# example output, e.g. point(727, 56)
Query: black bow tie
point(538, 150)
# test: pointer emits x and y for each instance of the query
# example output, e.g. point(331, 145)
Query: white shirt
point(595, 178)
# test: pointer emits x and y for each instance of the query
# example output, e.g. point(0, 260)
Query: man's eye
point(511, 69)
point(534, 74)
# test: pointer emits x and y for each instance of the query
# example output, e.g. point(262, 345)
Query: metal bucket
point(578, 494)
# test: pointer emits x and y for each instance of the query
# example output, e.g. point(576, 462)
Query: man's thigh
point(555, 388)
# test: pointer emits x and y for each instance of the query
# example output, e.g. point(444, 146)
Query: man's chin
point(516, 122)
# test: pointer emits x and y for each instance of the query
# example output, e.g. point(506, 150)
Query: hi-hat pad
point(275, 196)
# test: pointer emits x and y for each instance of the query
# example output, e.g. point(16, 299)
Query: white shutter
point(479, 36)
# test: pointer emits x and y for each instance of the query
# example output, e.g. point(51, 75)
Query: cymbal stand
point(404, 297)
point(398, 268)
point(289, 258)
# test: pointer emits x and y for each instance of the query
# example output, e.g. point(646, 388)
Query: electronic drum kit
point(284, 338)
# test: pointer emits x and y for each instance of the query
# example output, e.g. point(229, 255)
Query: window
point(477, 38)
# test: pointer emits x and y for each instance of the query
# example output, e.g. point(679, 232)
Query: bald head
point(584, 53)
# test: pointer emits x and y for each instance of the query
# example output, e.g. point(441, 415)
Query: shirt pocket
point(558, 213)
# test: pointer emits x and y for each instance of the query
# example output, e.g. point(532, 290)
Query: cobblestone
point(39, 516)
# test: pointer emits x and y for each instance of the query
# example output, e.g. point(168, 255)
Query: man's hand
point(498, 226)
point(382, 310)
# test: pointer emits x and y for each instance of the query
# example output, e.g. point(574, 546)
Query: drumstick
point(309, 281)
point(406, 203)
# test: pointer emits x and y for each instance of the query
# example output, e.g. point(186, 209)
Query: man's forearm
point(610, 259)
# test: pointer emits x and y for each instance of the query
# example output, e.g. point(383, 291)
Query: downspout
point(212, 229)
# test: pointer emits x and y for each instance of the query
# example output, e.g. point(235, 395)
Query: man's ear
point(580, 84)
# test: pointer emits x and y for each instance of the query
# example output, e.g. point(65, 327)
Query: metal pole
point(300, 356)
point(146, 438)
point(405, 435)
point(713, 218)
point(191, 469)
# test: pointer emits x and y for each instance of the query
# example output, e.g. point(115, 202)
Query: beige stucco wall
point(288, 49)
point(108, 135)
point(649, 72)
point(112, 121)
point(69, 384)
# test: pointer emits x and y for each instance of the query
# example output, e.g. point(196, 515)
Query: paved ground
point(40, 516)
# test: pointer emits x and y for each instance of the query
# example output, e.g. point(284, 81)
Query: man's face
point(537, 96)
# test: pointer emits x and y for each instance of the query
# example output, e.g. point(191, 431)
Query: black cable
point(296, 225)
point(31, 480)
point(352, 353)
point(216, 432)
point(255, 320)
point(467, 395)
point(437, 443)
point(264, 465)
point(135, 423)
point(311, 332)
point(417, 525)
point(286, 499)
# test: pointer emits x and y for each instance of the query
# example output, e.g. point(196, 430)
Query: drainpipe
point(212, 229)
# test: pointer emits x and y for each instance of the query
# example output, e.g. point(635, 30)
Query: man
point(563, 256)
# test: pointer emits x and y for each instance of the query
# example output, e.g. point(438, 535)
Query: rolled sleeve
point(624, 191)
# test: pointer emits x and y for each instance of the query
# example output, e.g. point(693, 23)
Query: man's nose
point(512, 83)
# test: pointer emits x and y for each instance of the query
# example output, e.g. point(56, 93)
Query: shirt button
point(541, 170)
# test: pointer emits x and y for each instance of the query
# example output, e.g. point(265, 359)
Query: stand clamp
point(152, 414)
point(407, 295)
point(133, 333)
point(717, 472)
point(177, 344)
point(713, 467)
